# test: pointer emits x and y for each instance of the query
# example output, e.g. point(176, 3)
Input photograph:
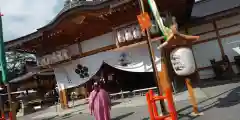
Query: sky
point(22, 17)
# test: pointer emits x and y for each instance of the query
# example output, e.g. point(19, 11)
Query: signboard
point(144, 21)
point(54, 57)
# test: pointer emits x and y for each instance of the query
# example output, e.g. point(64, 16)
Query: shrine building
point(102, 39)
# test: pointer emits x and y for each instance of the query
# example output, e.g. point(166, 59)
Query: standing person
point(99, 103)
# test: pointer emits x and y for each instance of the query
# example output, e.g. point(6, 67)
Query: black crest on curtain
point(82, 71)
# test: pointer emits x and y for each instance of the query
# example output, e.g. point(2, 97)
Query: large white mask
point(182, 60)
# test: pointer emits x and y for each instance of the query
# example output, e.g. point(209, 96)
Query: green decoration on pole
point(3, 62)
point(156, 14)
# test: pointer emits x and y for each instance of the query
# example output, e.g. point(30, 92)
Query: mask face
point(182, 60)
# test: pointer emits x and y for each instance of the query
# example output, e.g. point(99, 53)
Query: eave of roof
point(212, 7)
point(22, 39)
point(80, 6)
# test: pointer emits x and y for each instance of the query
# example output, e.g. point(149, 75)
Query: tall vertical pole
point(152, 57)
point(1, 38)
point(1, 105)
point(4, 67)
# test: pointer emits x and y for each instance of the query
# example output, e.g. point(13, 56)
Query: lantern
point(136, 32)
point(59, 56)
point(128, 34)
point(65, 54)
point(183, 61)
point(120, 36)
point(54, 57)
point(43, 62)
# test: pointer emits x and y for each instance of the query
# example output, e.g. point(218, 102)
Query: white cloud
point(22, 17)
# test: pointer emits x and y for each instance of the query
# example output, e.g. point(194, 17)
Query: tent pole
point(12, 113)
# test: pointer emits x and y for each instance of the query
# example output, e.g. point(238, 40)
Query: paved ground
point(218, 101)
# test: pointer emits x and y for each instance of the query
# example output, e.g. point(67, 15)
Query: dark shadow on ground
point(123, 116)
point(147, 118)
point(115, 103)
point(232, 99)
point(66, 116)
point(214, 82)
point(31, 110)
point(187, 107)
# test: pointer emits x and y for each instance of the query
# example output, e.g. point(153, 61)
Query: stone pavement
point(218, 102)
point(80, 107)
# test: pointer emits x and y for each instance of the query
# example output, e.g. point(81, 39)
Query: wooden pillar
point(219, 39)
point(63, 97)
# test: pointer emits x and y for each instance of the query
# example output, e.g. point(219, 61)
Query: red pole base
point(3, 117)
point(10, 116)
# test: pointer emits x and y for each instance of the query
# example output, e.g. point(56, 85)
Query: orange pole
point(164, 76)
point(154, 106)
point(150, 109)
point(192, 97)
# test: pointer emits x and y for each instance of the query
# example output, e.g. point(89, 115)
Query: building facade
point(87, 34)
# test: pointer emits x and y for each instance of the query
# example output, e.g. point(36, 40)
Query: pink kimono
point(100, 105)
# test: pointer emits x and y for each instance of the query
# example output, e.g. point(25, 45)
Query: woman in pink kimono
point(99, 103)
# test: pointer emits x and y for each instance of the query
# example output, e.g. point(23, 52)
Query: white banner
point(136, 59)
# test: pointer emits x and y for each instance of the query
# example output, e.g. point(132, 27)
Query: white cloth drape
point(138, 61)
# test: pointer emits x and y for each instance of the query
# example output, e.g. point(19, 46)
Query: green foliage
point(16, 63)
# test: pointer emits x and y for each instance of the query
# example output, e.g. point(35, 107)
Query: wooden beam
point(137, 44)
point(219, 39)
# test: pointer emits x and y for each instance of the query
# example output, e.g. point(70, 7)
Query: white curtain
point(65, 74)
point(137, 59)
